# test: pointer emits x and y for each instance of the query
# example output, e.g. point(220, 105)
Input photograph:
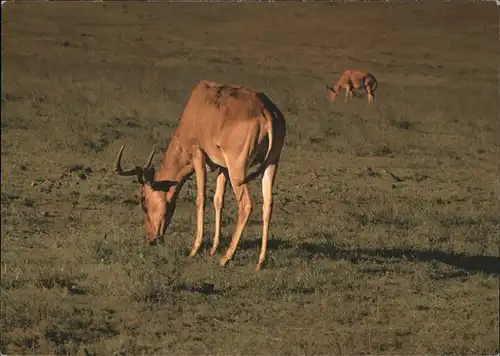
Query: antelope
point(223, 127)
point(353, 79)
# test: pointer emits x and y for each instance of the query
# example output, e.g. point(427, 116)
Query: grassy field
point(385, 226)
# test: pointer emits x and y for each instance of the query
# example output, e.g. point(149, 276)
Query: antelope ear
point(139, 174)
point(163, 185)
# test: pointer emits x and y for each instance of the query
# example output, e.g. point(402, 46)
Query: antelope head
point(156, 198)
point(332, 94)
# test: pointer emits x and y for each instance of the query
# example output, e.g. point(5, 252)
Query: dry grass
point(385, 231)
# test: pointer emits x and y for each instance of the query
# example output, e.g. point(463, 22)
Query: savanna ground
point(385, 227)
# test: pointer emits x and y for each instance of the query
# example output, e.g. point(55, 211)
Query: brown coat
point(223, 127)
point(353, 79)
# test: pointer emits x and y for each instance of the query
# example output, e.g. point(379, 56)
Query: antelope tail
point(270, 136)
point(374, 85)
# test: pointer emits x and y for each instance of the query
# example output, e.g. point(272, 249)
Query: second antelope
point(353, 79)
point(225, 128)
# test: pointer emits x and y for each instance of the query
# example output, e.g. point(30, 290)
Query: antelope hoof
point(193, 252)
point(257, 268)
point(223, 261)
point(212, 252)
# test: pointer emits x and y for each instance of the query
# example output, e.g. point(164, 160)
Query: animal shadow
point(478, 263)
point(202, 288)
point(272, 244)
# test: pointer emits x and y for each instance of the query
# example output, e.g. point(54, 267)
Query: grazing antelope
point(225, 128)
point(353, 79)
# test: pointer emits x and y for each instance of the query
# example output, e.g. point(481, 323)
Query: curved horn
point(118, 167)
point(150, 159)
